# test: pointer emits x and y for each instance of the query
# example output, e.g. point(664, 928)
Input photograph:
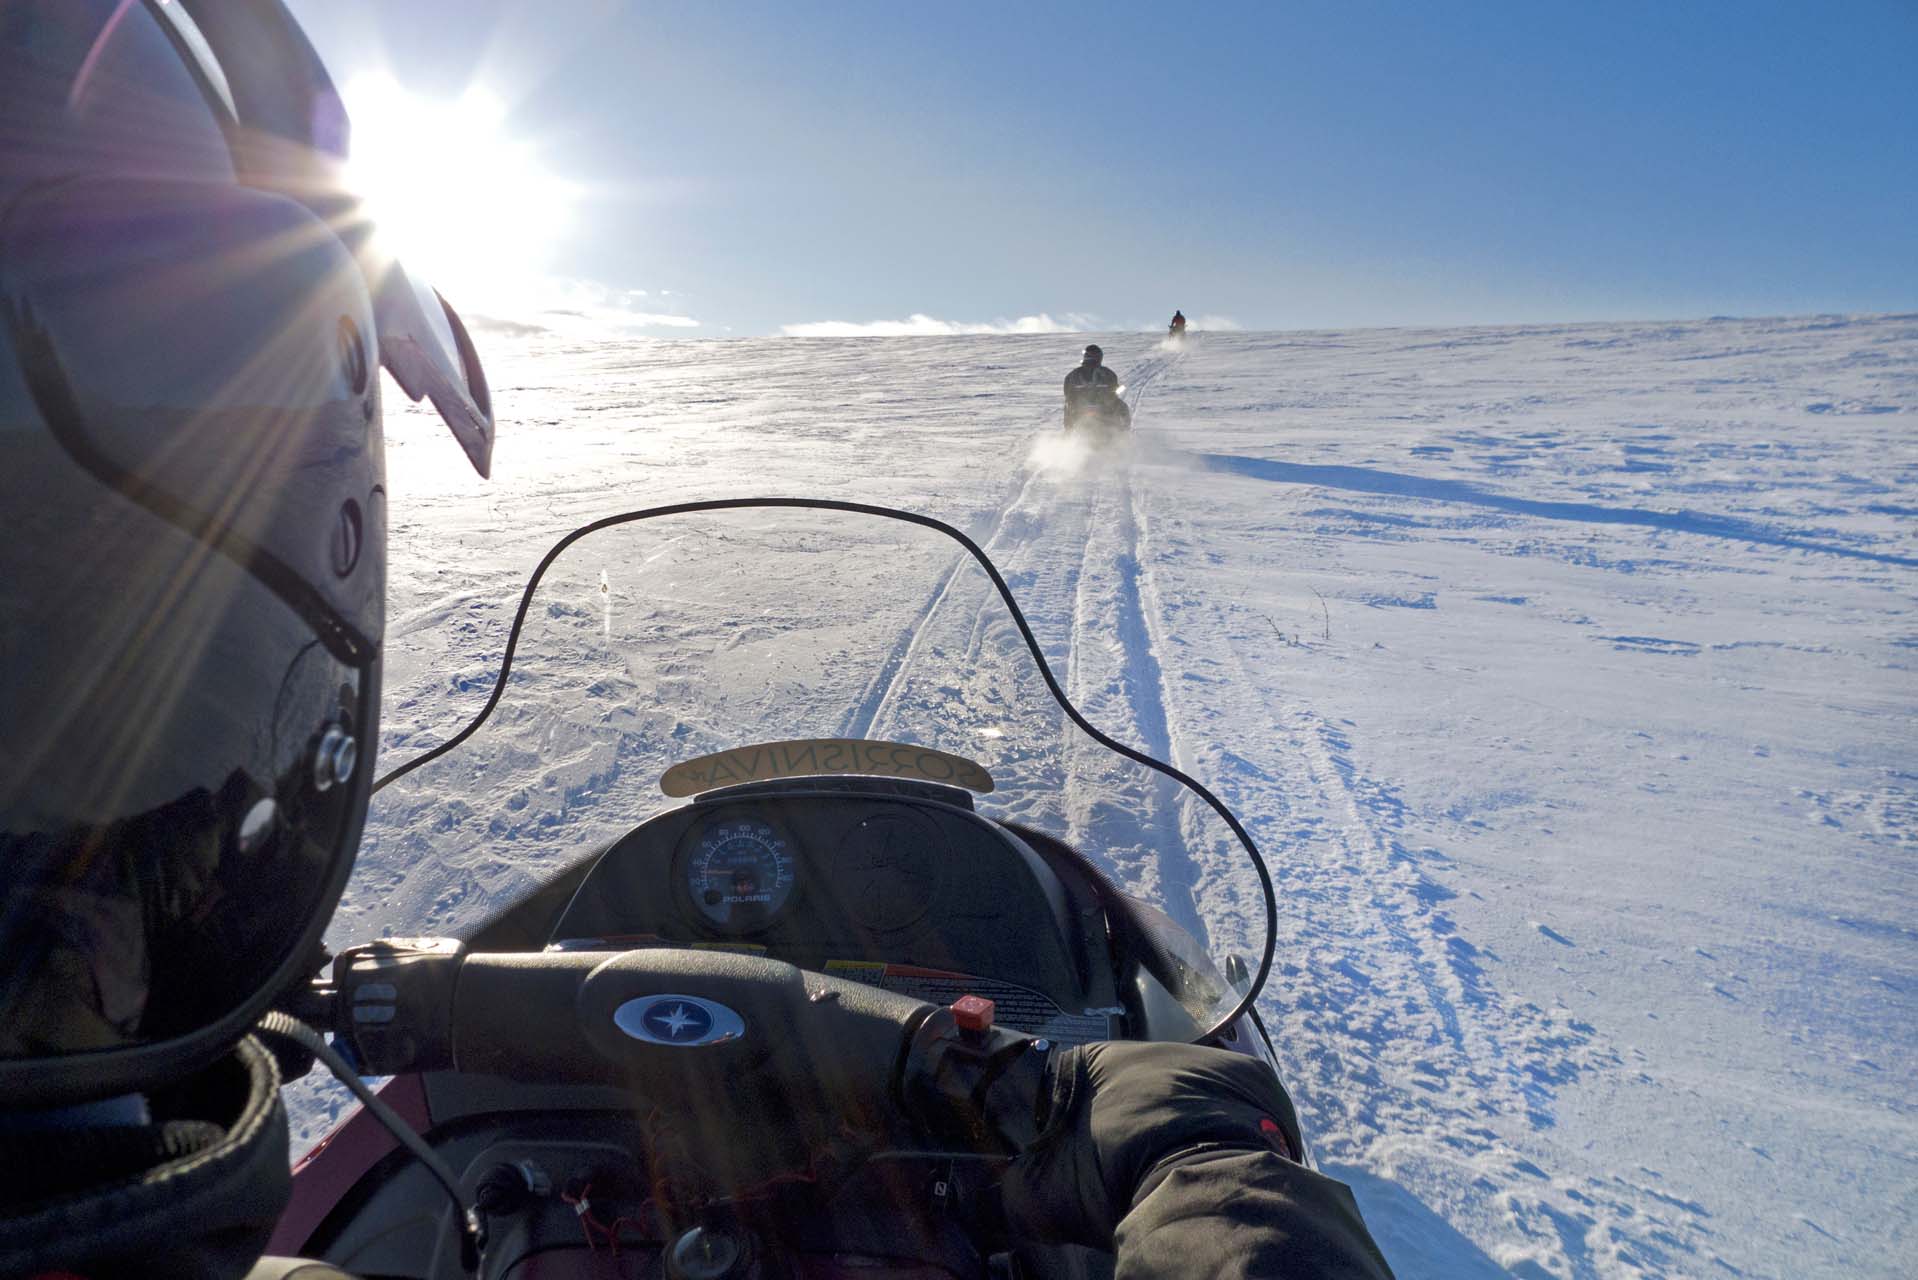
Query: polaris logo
point(677, 1021)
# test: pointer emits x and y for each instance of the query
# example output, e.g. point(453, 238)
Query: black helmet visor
point(178, 780)
point(191, 581)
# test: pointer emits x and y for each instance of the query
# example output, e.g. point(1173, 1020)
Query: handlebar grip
point(986, 1088)
point(670, 1022)
point(394, 1004)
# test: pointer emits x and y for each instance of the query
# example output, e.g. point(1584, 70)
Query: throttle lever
point(969, 1081)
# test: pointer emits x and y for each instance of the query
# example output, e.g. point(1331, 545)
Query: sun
point(452, 194)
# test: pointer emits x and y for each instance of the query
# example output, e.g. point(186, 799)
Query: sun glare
point(454, 197)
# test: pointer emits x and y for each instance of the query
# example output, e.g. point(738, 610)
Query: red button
point(972, 1013)
point(1276, 1136)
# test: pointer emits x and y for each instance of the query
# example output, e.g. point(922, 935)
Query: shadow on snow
point(1369, 480)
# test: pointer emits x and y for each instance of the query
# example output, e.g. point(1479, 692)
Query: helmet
point(1094, 355)
point(192, 320)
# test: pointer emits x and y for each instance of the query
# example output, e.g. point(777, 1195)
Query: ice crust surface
point(1565, 674)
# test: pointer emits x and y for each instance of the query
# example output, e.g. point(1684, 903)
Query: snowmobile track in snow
point(1385, 1016)
point(999, 537)
point(1068, 544)
point(1114, 601)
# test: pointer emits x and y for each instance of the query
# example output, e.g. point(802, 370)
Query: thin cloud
point(530, 305)
point(588, 305)
point(622, 318)
point(919, 325)
point(508, 328)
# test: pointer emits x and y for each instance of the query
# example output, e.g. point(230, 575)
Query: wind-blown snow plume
point(920, 325)
point(1058, 454)
point(584, 308)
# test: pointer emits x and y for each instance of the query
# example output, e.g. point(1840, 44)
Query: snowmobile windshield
point(661, 647)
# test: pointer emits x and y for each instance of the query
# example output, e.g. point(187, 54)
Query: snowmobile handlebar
point(688, 1028)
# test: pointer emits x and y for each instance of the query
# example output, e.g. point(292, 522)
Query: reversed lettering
point(823, 757)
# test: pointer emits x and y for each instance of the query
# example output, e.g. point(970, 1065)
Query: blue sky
point(758, 165)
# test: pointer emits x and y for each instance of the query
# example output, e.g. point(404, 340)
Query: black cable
point(286, 1027)
point(1199, 789)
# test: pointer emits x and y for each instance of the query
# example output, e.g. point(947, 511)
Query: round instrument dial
point(740, 874)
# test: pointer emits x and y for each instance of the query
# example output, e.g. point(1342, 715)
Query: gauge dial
point(740, 874)
point(887, 869)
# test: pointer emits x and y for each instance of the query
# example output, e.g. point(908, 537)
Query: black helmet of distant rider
point(192, 323)
point(1090, 383)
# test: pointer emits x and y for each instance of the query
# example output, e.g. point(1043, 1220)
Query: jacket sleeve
point(1172, 1156)
point(1234, 1213)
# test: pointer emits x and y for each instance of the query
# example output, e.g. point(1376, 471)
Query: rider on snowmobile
point(1091, 382)
point(192, 324)
point(1177, 328)
point(1092, 394)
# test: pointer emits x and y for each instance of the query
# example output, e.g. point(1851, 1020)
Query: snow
point(1565, 673)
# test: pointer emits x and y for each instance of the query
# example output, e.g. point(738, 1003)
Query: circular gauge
point(887, 869)
point(740, 874)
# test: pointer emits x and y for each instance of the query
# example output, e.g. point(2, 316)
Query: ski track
point(1112, 595)
point(1386, 1021)
point(1395, 1015)
point(1014, 537)
point(1068, 545)
point(1394, 1008)
point(887, 681)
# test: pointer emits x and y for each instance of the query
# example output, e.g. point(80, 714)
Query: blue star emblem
point(680, 1021)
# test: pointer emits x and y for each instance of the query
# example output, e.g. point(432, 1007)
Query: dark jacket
point(1090, 383)
point(1172, 1156)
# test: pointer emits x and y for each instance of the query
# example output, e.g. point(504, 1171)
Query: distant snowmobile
point(1093, 403)
point(1177, 328)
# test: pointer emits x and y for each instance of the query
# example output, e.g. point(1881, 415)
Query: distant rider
point(1178, 324)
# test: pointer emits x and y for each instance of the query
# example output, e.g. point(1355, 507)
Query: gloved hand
point(1173, 1157)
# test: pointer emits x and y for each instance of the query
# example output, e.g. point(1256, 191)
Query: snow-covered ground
point(1564, 673)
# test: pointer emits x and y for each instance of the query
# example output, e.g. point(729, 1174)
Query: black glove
point(1173, 1157)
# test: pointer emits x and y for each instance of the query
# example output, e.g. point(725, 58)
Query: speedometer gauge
point(739, 874)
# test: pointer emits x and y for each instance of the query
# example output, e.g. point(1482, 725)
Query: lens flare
point(453, 194)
